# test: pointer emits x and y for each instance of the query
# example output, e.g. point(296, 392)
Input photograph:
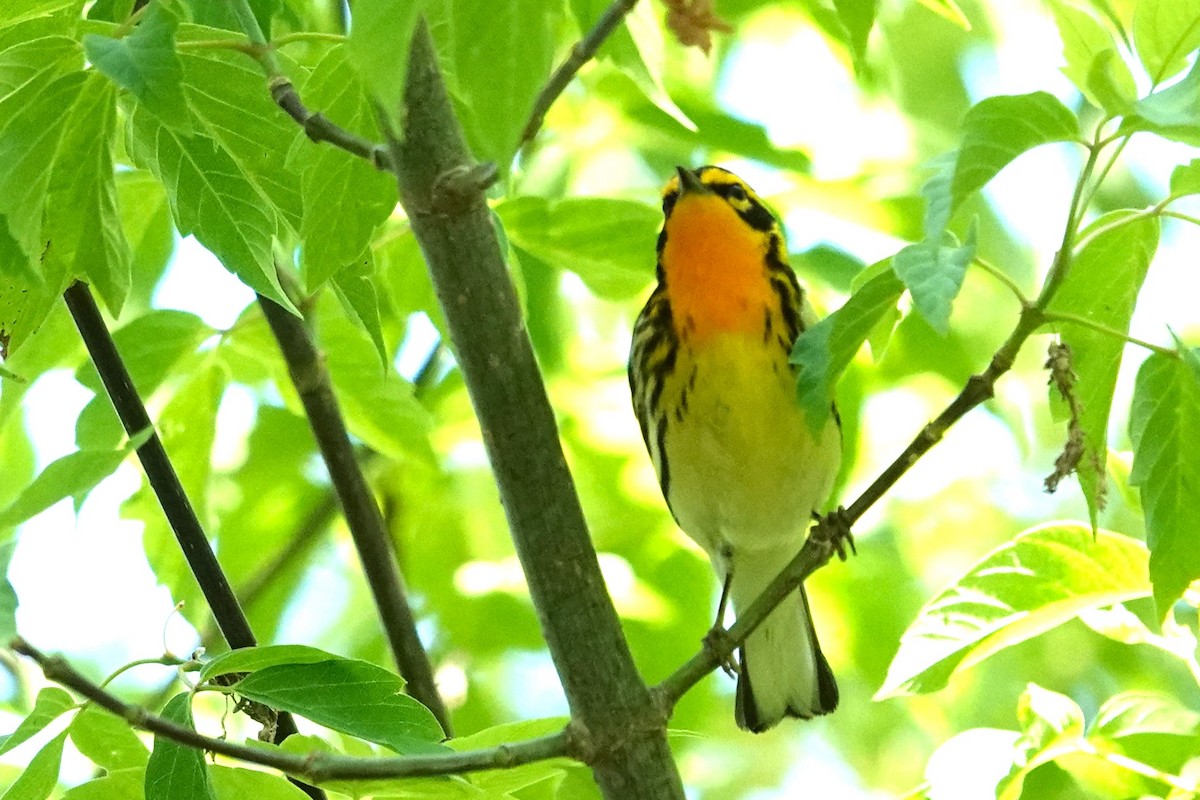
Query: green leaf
point(1172, 113)
point(120, 784)
point(823, 351)
point(249, 659)
point(150, 346)
point(934, 276)
point(8, 596)
point(499, 782)
point(73, 475)
point(351, 696)
point(107, 739)
point(146, 220)
point(50, 704)
point(1185, 179)
point(82, 221)
point(214, 199)
point(379, 405)
point(111, 10)
point(28, 147)
point(175, 771)
point(231, 783)
point(188, 426)
point(859, 17)
point(227, 93)
point(41, 774)
point(1143, 712)
point(345, 198)
point(391, 788)
point(950, 10)
point(999, 129)
point(1115, 254)
point(1165, 32)
point(1052, 727)
point(355, 290)
point(502, 55)
point(608, 243)
point(1164, 426)
point(638, 48)
point(145, 63)
point(1093, 59)
point(1041, 579)
point(378, 48)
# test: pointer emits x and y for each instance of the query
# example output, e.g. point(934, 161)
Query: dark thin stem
point(316, 767)
point(316, 126)
point(159, 471)
point(164, 481)
point(312, 382)
point(622, 733)
point(581, 53)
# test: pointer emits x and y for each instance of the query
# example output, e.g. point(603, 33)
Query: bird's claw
point(717, 642)
point(833, 530)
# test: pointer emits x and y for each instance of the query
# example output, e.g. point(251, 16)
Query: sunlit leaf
point(212, 198)
point(999, 129)
point(1164, 425)
point(859, 17)
point(1185, 179)
point(51, 703)
point(107, 740)
point(608, 243)
point(1041, 579)
point(378, 48)
point(502, 54)
point(1051, 727)
point(176, 771)
point(231, 783)
point(407, 788)
point(934, 275)
point(350, 696)
point(249, 659)
point(145, 63)
point(73, 475)
point(823, 351)
point(118, 784)
point(1165, 32)
point(1115, 254)
point(1173, 112)
point(345, 198)
point(82, 222)
point(500, 781)
point(40, 776)
point(1094, 63)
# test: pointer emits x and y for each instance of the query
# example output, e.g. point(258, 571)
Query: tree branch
point(316, 767)
point(316, 126)
point(621, 732)
point(312, 382)
point(581, 53)
point(164, 481)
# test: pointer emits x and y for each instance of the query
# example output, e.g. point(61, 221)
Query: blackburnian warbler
point(740, 469)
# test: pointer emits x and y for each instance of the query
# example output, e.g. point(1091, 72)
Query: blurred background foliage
point(835, 129)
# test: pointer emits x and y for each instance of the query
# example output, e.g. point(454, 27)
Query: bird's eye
point(736, 192)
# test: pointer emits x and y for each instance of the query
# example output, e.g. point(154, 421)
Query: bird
point(740, 467)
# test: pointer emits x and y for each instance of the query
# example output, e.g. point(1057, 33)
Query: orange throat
point(714, 268)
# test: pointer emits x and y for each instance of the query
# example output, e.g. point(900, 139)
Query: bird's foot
point(718, 643)
point(833, 531)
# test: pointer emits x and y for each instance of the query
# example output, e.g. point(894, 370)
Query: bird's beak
point(689, 182)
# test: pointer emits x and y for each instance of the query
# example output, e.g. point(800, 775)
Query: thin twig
point(316, 126)
point(316, 767)
point(164, 481)
point(999, 274)
point(312, 382)
point(1082, 321)
point(581, 53)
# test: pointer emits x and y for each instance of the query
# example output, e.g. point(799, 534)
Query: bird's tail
point(783, 672)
